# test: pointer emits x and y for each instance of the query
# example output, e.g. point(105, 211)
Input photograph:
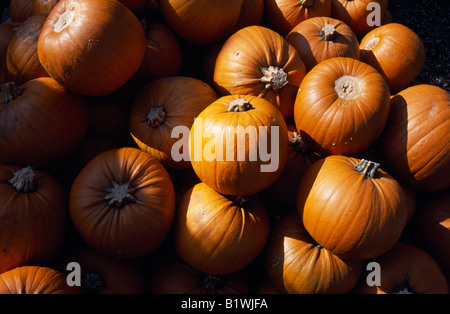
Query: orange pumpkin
point(396, 51)
point(260, 62)
point(320, 38)
point(342, 106)
point(43, 6)
point(252, 13)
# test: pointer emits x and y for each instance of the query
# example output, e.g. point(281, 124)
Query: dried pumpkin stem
point(119, 194)
point(274, 78)
point(239, 105)
point(23, 180)
point(306, 3)
point(211, 282)
point(64, 20)
point(156, 116)
point(93, 282)
point(348, 87)
point(296, 140)
point(372, 43)
point(328, 32)
point(10, 91)
point(367, 168)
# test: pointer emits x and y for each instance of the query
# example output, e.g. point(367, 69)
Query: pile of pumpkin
point(93, 91)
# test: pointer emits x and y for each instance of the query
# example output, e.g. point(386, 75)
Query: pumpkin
point(252, 13)
point(260, 62)
point(163, 105)
point(177, 277)
point(20, 10)
point(283, 15)
point(341, 107)
point(217, 234)
point(396, 51)
point(41, 122)
point(33, 211)
point(238, 145)
point(122, 203)
point(414, 144)
point(35, 280)
point(21, 58)
point(352, 207)
point(358, 14)
point(7, 31)
point(320, 38)
point(43, 6)
point(405, 269)
point(296, 264)
point(201, 21)
point(84, 40)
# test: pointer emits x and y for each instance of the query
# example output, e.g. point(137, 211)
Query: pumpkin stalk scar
point(239, 105)
point(156, 116)
point(367, 168)
point(348, 87)
point(328, 32)
point(23, 180)
point(372, 43)
point(274, 78)
point(119, 194)
point(10, 91)
point(64, 20)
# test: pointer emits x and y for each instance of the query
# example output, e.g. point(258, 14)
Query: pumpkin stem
point(296, 140)
point(240, 201)
point(211, 282)
point(372, 43)
point(274, 78)
point(348, 87)
point(10, 91)
point(23, 180)
point(93, 282)
point(156, 116)
point(64, 20)
point(403, 288)
point(119, 194)
point(239, 105)
point(306, 3)
point(367, 168)
point(328, 32)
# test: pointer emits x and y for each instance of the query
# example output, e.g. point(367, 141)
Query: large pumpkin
point(91, 47)
point(122, 203)
point(260, 62)
point(396, 51)
point(238, 145)
point(415, 143)
point(296, 264)
point(41, 122)
point(341, 107)
point(351, 207)
point(35, 280)
point(163, 105)
point(201, 21)
point(217, 234)
point(33, 211)
point(283, 15)
point(320, 38)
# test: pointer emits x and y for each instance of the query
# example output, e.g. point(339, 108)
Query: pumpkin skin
point(35, 280)
point(43, 6)
point(219, 235)
point(341, 107)
point(355, 13)
point(162, 105)
point(396, 51)
point(77, 40)
point(33, 211)
point(283, 15)
point(7, 31)
point(222, 168)
point(20, 10)
point(260, 62)
point(21, 58)
point(315, 41)
point(406, 269)
point(295, 263)
point(362, 213)
point(41, 122)
point(177, 277)
point(122, 203)
point(414, 144)
point(252, 13)
point(201, 21)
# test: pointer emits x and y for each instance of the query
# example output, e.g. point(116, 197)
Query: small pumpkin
point(362, 209)
point(341, 107)
point(405, 269)
point(414, 145)
point(260, 62)
point(7, 31)
point(296, 264)
point(82, 41)
point(217, 234)
point(238, 145)
point(21, 58)
point(33, 211)
point(41, 122)
point(122, 203)
point(320, 38)
point(396, 51)
point(358, 14)
point(283, 15)
point(160, 107)
point(35, 280)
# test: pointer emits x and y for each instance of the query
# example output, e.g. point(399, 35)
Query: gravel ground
point(429, 19)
